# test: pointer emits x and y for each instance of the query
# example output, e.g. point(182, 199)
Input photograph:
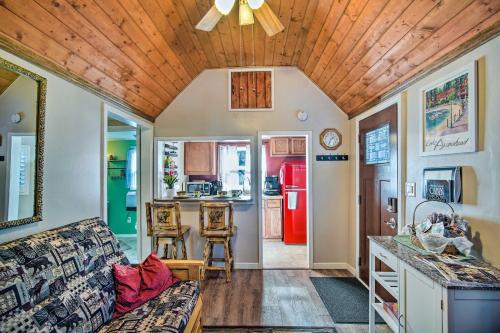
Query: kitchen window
point(234, 167)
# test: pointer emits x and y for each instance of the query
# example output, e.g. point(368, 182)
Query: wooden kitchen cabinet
point(288, 146)
point(272, 218)
point(297, 146)
point(200, 159)
point(280, 146)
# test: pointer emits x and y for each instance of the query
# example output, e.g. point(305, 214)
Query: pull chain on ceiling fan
point(247, 9)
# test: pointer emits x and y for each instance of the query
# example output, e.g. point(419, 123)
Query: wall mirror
point(22, 122)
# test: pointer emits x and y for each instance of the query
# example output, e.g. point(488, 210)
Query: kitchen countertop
point(408, 256)
point(266, 197)
point(240, 199)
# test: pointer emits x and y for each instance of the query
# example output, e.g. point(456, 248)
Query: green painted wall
point(117, 190)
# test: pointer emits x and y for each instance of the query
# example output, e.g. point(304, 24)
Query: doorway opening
point(122, 164)
point(284, 197)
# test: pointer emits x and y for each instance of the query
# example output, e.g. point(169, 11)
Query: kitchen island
point(427, 300)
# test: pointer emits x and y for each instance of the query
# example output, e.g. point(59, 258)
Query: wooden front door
point(378, 183)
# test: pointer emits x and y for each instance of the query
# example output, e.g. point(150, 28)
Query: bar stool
point(164, 222)
point(217, 231)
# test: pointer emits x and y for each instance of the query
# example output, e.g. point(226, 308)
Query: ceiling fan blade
point(268, 20)
point(210, 20)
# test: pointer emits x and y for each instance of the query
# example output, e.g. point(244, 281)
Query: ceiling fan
point(247, 9)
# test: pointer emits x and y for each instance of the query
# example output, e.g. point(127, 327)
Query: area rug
point(267, 330)
point(346, 299)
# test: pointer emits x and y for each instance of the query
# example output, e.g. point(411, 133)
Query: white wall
point(481, 181)
point(481, 178)
point(202, 110)
point(72, 154)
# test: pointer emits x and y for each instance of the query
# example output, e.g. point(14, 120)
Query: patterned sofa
point(61, 281)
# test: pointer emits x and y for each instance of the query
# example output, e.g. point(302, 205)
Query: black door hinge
point(359, 199)
point(359, 261)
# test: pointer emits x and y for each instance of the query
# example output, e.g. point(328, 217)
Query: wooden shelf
point(388, 318)
point(388, 280)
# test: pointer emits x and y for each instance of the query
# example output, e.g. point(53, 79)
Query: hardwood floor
point(283, 298)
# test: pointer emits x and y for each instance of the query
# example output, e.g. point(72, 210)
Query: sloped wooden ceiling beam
point(142, 53)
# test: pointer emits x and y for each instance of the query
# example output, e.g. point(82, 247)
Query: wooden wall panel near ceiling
point(143, 53)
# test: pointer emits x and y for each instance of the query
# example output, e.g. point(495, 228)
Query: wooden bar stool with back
point(219, 229)
point(164, 222)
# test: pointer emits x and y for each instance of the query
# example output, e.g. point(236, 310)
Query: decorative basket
point(449, 249)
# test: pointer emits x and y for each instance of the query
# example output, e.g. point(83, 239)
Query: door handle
point(391, 223)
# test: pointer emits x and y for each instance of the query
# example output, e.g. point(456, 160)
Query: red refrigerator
point(293, 181)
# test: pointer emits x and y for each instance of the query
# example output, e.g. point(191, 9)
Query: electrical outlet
point(411, 189)
point(129, 219)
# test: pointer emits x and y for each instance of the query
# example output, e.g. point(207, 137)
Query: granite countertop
point(240, 199)
point(408, 256)
point(266, 197)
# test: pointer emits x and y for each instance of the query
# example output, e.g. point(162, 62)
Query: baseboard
point(351, 269)
point(246, 265)
point(334, 265)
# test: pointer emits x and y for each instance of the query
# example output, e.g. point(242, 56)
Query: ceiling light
point(255, 4)
point(246, 14)
point(224, 6)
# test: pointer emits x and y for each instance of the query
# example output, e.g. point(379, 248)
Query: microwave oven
point(192, 187)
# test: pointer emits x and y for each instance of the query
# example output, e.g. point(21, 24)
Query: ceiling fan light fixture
point(246, 14)
point(224, 6)
point(255, 4)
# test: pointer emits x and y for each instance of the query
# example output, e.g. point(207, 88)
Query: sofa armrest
point(185, 269)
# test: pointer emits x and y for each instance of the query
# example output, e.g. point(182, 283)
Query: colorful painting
point(449, 114)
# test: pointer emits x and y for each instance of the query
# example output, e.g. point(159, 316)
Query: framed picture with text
point(448, 114)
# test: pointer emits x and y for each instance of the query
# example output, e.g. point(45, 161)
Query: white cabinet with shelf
point(425, 302)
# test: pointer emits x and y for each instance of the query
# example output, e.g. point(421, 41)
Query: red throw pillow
point(128, 286)
point(136, 286)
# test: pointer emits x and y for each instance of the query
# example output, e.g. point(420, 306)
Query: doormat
point(346, 299)
point(233, 329)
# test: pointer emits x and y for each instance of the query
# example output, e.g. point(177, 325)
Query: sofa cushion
point(59, 280)
point(137, 285)
point(169, 312)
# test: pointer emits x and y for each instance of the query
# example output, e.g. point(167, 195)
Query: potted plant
point(169, 176)
point(170, 179)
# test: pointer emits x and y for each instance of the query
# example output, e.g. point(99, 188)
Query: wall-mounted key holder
point(332, 157)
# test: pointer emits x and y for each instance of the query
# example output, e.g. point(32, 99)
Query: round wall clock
point(330, 138)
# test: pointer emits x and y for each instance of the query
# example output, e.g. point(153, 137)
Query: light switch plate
point(411, 189)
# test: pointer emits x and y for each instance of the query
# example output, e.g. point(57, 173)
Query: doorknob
point(391, 223)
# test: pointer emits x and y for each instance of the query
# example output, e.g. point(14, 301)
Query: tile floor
point(278, 255)
point(129, 246)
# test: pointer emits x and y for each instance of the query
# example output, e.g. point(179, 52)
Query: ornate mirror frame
point(40, 142)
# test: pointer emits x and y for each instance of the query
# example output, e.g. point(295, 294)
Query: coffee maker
point(216, 187)
point(272, 186)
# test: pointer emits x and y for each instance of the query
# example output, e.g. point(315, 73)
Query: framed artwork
point(449, 114)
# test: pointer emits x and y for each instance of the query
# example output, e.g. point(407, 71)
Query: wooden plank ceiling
point(6, 79)
point(143, 53)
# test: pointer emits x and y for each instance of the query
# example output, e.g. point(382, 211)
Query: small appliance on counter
point(272, 186)
point(216, 187)
point(202, 187)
